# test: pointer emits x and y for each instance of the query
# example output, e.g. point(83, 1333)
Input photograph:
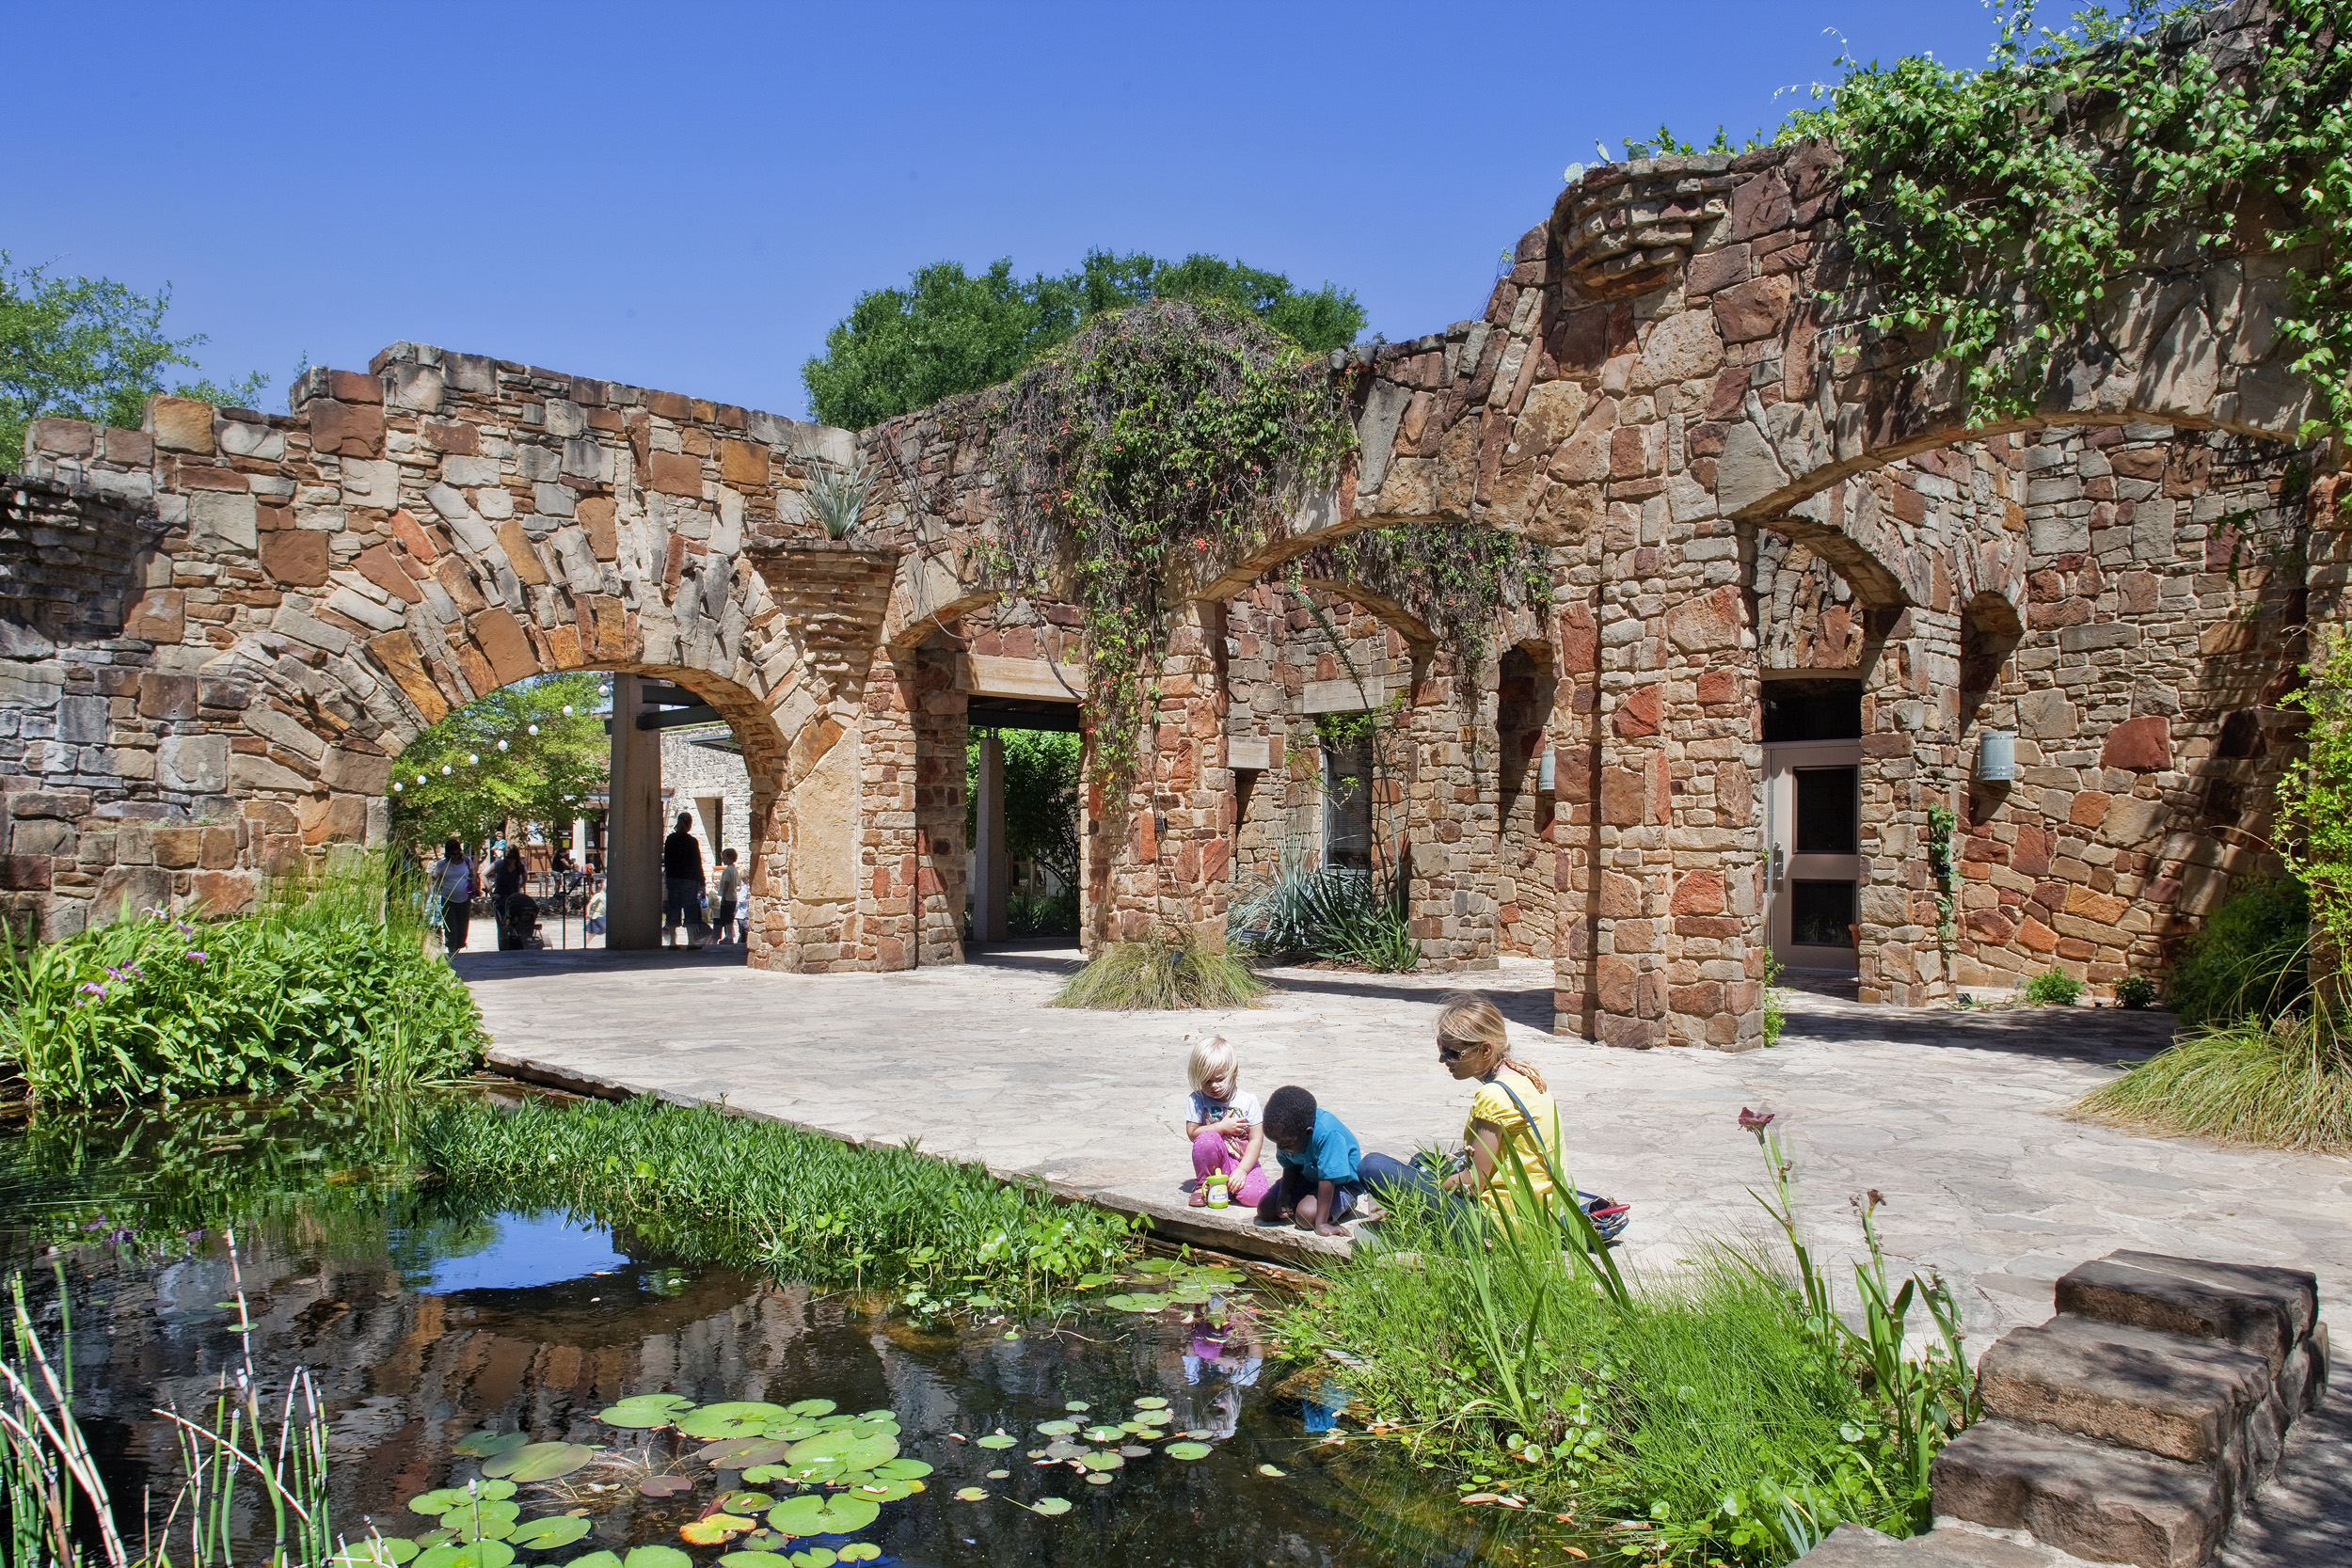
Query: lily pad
point(1198, 1436)
point(1095, 1478)
point(970, 1493)
point(1000, 1475)
point(376, 1551)
point(539, 1461)
point(1135, 1450)
point(848, 1516)
point(752, 1560)
point(741, 1453)
point(1101, 1459)
point(485, 1443)
point(791, 1430)
point(730, 1419)
point(1157, 1265)
point(665, 1486)
point(746, 1502)
point(814, 1556)
point(1186, 1451)
point(995, 1440)
point(1103, 1434)
point(1152, 1401)
point(431, 1539)
point(882, 1414)
point(859, 1551)
point(596, 1560)
point(539, 1535)
point(811, 1407)
point(1056, 1428)
point(1050, 1507)
point(798, 1515)
point(1063, 1449)
point(1136, 1303)
point(657, 1557)
point(1274, 1470)
point(866, 1453)
point(1077, 1404)
point(902, 1470)
point(475, 1554)
point(440, 1501)
point(887, 1491)
point(713, 1529)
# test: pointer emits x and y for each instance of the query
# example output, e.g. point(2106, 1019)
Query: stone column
point(1911, 760)
point(1450, 819)
point(632, 825)
point(991, 867)
point(1576, 807)
point(1172, 863)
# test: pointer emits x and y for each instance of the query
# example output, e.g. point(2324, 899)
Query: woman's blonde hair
point(1469, 1018)
point(1210, 1057)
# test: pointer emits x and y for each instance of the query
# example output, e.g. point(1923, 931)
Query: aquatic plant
point(328, 982)
point(804, 1206)
point(1732, 1415)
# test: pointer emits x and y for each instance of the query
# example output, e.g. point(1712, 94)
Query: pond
point(438, 1333)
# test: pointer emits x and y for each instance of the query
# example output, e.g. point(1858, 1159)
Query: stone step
point(2167, 1394)
point(2106, 1504)
point(1853, 1545)
point(2264, 1310)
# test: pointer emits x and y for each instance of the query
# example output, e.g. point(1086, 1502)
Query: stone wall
point(693, 773)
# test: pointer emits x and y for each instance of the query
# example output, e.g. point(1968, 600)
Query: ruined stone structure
point(221, 629)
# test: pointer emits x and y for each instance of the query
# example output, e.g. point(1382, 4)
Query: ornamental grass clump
point(329, 982)
point(2285, 1083)
point(1167, 971)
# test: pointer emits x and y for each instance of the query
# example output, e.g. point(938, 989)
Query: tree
point(454, 780)
point(948, 332)
point(90, 348)
point(1040, 799)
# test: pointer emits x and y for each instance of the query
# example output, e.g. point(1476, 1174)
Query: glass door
point(1813, 852)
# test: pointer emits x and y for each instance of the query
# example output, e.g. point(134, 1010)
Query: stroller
point(518, 923)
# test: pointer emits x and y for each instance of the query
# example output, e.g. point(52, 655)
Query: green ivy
point(1457, 577)
point(2084, 155)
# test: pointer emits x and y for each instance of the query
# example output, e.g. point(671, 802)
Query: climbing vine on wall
point(1455, 578)
point(1163, 433)
point(2086, 154)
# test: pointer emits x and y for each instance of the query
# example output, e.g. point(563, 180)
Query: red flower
point(1755, 1121)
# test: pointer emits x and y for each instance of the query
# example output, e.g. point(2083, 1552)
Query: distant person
point(594, 925)
point(1318, 1157)
point(1225, 1124)
point(562, 864)
point(455, 880)
point(506, 886)
point(730, 892)
point(682, 884)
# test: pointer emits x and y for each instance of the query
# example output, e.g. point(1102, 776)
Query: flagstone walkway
point(1957, 1120)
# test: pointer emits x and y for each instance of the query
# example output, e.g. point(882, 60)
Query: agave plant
point(838, 495)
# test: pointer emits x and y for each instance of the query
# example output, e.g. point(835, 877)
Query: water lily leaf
point(1050, 1507)
point(1274, 1470)
point(1103, 1434)
point(539, 1461)
point(811, 1407)
point(996, 1440)
point(1077, 1404)
point(485, 1443)
point(1155, 1417)
point(791, 1430)
point(888, 1491)
point(713, 1529)
point(903, 1470)
point(814, 1556)
point(556, 1529)
point(882, 1412)
point(750, 1559)
point(866, 1453)
point(1186, 1451)
point(746, 1502)
point(596, 1560)
point(825, 1445)
point(834, 1423)
point(1056, 1428)
point(439, 1502)
point(848, 1516)
point(1094, 1281)
point(494, 1491)
point(483, 1521)
point(741, 1453)
point(657, 1557)
point(1000, 1475)
point(1195, 1295)
point(1095, 1478)
point(665, 1486)
point(859, 1551)
point(798, 1515)
point(431, 1539)
point(1061, 1449)
point(1152, 1401)
point(868, 1426)
point(731, 1418)
point(476, 1554)
point(815, 1472)
point(1157, 1265)
point(376, 1551)
point(668, 1402)
point(970, 1493)
point(1135, 1450)
point(1101, 1459)
point(1198, 1436)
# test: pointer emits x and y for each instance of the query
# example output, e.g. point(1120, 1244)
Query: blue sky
point(687, 196)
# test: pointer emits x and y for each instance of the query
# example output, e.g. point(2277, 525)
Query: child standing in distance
point(1318, 1156)
point(730, 885)
point(1224, 1123)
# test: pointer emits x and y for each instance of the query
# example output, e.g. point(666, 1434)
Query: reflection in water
point(421, 1325)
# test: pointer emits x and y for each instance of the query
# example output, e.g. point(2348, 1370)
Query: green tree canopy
point(470, 788)
point(950, 331)
point(90, 348)
point(1040, 799)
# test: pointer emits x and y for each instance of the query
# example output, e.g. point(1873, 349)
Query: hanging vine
point(1455, 578)
point(2091, 161)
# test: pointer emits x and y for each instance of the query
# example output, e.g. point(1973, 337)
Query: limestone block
point(181, 424)
point(243, 439)
point(125, 891)
point(2158, 1392)
point(196, 764)
point(247, 771)
point(218, 518)
point(2256, 1309)
point(1748, 470)
point(2106, 1504)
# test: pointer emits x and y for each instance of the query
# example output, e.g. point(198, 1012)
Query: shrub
point(1167, 971)
point(2054, 987)
point(2136, 992)
point(2250, 957)
point(1041, 914)
point(1775, 1002)
point(1331, 913)
point(330, 982)
point(2284, 1083)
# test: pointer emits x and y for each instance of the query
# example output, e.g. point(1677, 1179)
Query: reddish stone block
point(2139, 745)
point(376, 564)
point(350, 429)
point(354, 386)
point(1752, 311)
point(674, 473)
point(158, 615)
point(168, 696)
point(1759, 206)
point(1698, 892)
point(421, 542)
point(1716, 269)
point(2036, 936)
point(457, 437)
point(1640, 713)
point(295, 558)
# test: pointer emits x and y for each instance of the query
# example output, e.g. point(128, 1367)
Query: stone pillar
point(991, 867)
point(579, 841)
point(632, 825)
point(941, 735)
point(1172, 863)
point(1911, 760)
point(1576, 808)
point(1449, 819)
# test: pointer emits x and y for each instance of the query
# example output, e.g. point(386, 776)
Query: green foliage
point(2136, 992)
point(1162, 434)
point(1332, 912)
point(1735, 1416)
point(2283, 1082)
point(1169, 969)
point(1776, 1002)
point(948, 332)
point(1042, 914)
point(2251, 958)
point(471, 788)
point(2085, 156)
point(2054, 987)
point(329, 983)
point(732, 1190)
point(1040, 799)
point(1456, 576)
point(90, 348)
point(837, 495)
point(2315, 810)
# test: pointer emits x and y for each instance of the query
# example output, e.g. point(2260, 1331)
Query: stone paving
point(1957, 1118)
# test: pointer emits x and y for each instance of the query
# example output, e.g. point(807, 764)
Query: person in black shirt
point(506, 882)
point(682, 884)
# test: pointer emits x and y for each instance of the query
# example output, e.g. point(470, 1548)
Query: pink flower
point(1755, 1121)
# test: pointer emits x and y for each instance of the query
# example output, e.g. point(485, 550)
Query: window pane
point(1826, 801)
point(1347, 802)
point(1819, 913)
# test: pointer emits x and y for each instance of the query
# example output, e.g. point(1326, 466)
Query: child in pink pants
point(1222, 1123)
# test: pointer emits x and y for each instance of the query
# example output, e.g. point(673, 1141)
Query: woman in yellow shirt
point(1513, 1134)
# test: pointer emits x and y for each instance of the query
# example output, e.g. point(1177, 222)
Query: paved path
point(1957, 1118)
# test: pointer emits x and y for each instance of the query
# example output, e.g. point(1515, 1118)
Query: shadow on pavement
point(1524, 1004)
point(2104, 1035)
point(541, 960)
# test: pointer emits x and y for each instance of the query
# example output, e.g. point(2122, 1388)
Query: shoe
point(1200, 1200)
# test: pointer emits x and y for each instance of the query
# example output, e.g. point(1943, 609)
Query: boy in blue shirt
point(1318, 1157)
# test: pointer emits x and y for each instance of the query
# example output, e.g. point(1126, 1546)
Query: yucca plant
point(836, 496)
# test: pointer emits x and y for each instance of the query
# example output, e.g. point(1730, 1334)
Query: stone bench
point(2132, 1427)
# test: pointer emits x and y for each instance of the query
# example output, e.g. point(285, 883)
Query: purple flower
point(91, 987)
point(128, 972)
point(197, 957)
point(1755, 1121)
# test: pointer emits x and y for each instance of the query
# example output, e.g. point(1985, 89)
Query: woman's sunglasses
point(1453, 1050)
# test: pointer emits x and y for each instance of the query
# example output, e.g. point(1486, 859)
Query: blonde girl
point(1225, 1124)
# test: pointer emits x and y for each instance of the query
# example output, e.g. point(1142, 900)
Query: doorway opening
point(1813, 823)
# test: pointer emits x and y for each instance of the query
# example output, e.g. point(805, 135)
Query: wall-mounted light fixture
point(1996, 756)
